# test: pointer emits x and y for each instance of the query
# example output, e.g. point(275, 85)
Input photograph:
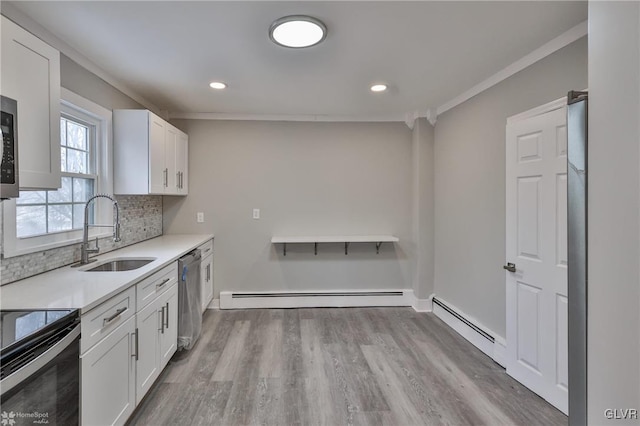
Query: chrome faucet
point(84, 248)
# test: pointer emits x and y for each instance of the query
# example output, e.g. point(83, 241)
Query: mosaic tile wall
point(140, 219)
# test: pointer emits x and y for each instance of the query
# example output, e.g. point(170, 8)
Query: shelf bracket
point(378, 247)
point(346, 248)
point(315, 248)
point(284, 250)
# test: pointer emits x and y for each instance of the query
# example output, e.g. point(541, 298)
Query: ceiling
point(427, 52)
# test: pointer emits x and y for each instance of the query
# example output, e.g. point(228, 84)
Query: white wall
point(613, 347)
point(470, 182)
point(88, 85)
point(423, 209)
point(307, 179)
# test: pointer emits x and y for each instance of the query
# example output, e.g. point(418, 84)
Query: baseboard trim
point(315, 299)
point(478, 335)
point(422, 305)
point(214, 304)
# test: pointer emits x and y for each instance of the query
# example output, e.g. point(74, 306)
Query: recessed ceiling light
point(297, 31)
point(217, 85)
point(378, 87)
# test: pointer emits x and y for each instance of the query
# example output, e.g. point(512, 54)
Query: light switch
point(200, 217)
point(256, 213)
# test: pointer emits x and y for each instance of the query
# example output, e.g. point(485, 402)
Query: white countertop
point(69, 287)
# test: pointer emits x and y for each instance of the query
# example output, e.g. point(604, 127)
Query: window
point(45, 212)
point(39, 220)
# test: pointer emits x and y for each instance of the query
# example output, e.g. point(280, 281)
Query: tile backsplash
point(140, 219)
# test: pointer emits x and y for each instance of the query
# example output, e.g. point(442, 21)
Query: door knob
point(511, 267)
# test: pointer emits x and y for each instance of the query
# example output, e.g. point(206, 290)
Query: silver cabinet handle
point(511, 267)
point(166, 177)
point(178, 180)
point(167, 319)
point(136, 345)
point(163, 314)
point(115, 315)
point(166, 280)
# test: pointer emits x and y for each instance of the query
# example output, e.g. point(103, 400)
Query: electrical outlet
point(200, 217)
point(256, 213)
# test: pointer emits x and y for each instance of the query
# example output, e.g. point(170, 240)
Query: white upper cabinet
point(150, 155)
point(182, 163)
point(30, 74)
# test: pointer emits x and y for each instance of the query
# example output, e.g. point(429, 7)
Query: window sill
point(9, 251)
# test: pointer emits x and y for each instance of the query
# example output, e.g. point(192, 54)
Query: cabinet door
point(169, 336)
point(170, 142)
point(206, 281)
point(182, 163)
point(30, 74)
point(148, 322)
point(158, 173)
point(108, 378)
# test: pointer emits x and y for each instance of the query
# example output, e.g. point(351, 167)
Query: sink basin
point(121, 264)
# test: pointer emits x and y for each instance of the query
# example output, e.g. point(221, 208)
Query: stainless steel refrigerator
point(577, 254)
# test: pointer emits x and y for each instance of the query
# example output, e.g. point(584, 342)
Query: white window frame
point(71, 104)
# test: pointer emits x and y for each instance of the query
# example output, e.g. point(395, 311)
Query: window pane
point(77, 161)
point(31, 220)
point(62, 195)
point(82, 189)
point(76, 135)
point(60, 218)
point(63, 159)
point(32, 197)
point(78, 216)
point(63, 131)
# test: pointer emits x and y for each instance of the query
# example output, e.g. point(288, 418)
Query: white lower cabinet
point(168, 335)
point(123, 352)
point(157, 339)
point(147, 365)
point(206, 281)
point(108, 379)
point(206, 274)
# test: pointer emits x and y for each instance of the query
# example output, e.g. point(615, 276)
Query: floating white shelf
point(346, 239)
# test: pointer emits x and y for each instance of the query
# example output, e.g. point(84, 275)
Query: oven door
point(44, 390)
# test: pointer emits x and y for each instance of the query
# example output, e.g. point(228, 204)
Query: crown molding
point(286, 117)
point(26, 22)
point(542, 52)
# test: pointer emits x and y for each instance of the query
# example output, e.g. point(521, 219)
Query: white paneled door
point(536, 248)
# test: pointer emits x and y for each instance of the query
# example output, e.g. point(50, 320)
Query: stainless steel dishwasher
point(189, 309)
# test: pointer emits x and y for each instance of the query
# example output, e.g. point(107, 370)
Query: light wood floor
point(361, 366)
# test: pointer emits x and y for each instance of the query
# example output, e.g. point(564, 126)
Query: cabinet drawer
point(102, 320)
point(151, 287)
point(206, 248)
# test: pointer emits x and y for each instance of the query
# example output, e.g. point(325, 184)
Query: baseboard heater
point(464, 320)
point(331, 294)
point(312, 299)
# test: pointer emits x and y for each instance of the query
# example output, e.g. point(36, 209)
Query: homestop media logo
point(18, 417)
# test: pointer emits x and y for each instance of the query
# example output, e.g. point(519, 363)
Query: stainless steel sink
point(121, 264)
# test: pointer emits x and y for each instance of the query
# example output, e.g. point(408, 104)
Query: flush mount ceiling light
point(297, 31)
point(217, 85)
point(378, 87)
